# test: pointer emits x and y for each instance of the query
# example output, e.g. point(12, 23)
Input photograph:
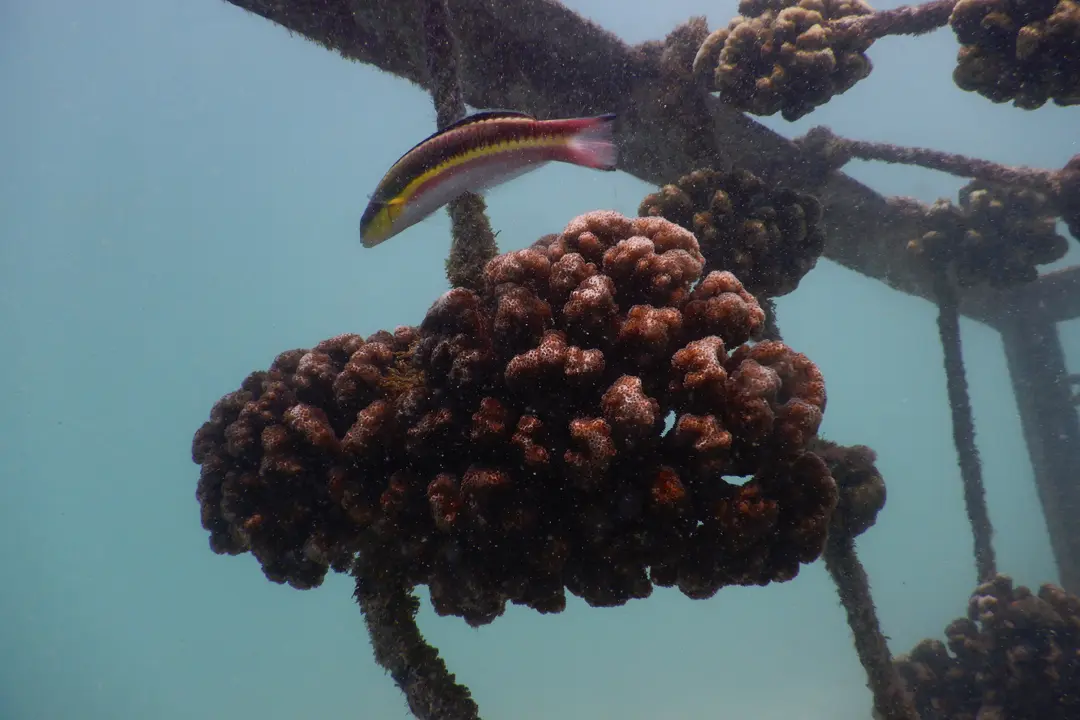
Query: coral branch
point(430, 688)
point(473, 240)
point(890, 698)
point(964, 427)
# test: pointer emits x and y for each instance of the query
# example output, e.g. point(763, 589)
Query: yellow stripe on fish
point(549, 141)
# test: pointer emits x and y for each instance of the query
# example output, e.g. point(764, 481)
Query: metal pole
point(1051, 429)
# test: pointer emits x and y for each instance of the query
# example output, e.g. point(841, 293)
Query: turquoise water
point(180, 191)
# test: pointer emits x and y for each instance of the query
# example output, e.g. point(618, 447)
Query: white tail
point(593, 146)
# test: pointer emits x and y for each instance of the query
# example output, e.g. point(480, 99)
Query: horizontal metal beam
point(540, 57)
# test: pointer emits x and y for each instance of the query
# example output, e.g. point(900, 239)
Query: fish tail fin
point(591, 143)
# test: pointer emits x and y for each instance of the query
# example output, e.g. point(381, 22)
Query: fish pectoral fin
point(394, 207)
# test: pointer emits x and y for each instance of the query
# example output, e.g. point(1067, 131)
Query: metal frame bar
point(541, 57)
point(1040, 383)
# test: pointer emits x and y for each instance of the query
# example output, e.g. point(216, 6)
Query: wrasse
point(476, 153)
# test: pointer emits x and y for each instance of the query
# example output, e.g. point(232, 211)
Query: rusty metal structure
point(541, 57)
point(1014, 655)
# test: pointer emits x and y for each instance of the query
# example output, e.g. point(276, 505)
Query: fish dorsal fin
point(475, 117)
point(481, 115)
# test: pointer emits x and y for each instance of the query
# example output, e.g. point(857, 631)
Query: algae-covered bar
point(563, 419)
point(540, 57)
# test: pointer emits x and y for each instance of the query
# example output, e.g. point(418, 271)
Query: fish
point(477, 153)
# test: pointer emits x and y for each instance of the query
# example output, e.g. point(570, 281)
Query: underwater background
point(181, 188)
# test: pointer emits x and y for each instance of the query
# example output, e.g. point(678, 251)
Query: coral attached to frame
point(769, 237)
point(514, 445)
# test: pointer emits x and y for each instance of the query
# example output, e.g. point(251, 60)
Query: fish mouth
point(367, 236)
point(369, 239)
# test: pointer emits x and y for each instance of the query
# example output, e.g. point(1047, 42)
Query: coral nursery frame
point(540, 57)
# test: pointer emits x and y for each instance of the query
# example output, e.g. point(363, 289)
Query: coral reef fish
point(479, 152)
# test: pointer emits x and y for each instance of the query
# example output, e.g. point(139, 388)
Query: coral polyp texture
point(996, 235)
point(568, 426)
point(1016, 655)
point(783, 56)
point(769, 237)
point(1026, 51)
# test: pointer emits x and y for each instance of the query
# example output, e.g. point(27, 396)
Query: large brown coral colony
point(1016, 656)
point(514, 445)
point(996, 235)
point(783, 55)
point(1027, 51)
point(770, 238)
